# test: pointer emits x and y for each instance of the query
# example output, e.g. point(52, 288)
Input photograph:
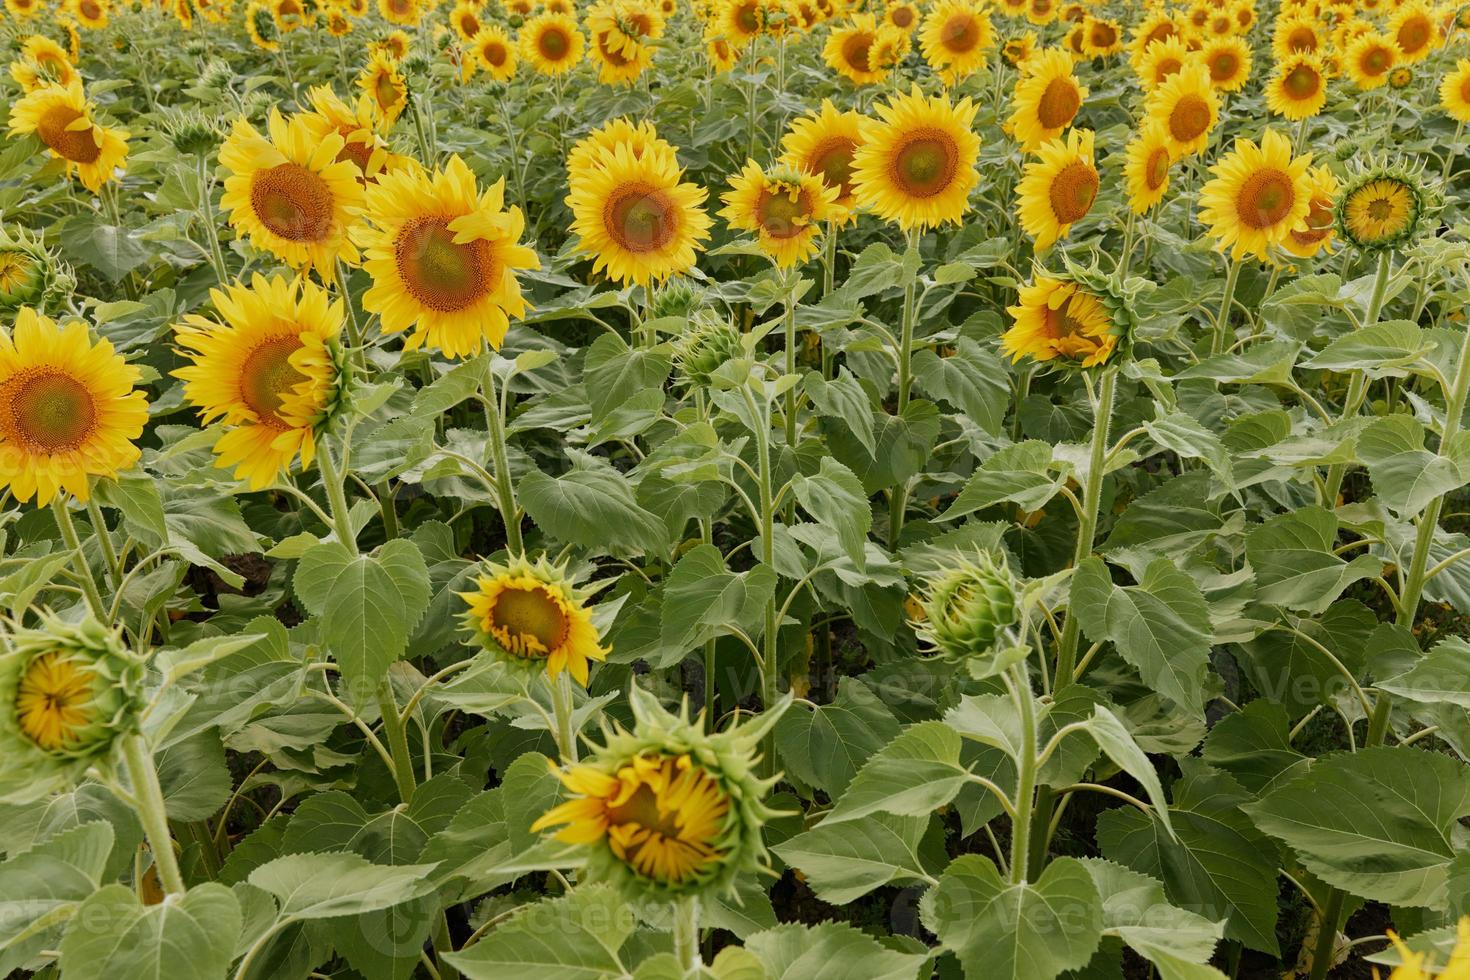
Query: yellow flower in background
point(825, 143)
point(1163, 60)
point(739, 21)
point(465, 19)
point(1186, 108)
point(1046, 99)
point(268, 367)
point(534, 618)
point(405, 13)
point(586, 154)
point(1058, 188)
point(1316, 232)
point(1100, 37)
point(62, 119)
point(1296, 35)
point(721, 54)
point(1146, 169)
point(552, 44)
point(91, 14)
point(619, 56)
point(1415, 31)
point(1380, 208)
point(443, 258)
point(68, 409)
point(1057, 318)
point(1228, 60)
point(362, 145)
point(1018, 51)
point(496, 53)
point(1454, 92)
point(902, 15)
point(395, 44)
point(849, 51)
point(784, 207)
point(1369, 60)
point(1422, 966)
point(954, 38)
point(42, 62)
point(1298, 89)
point(916, 166)
point(382, 82)
point(1257, 196)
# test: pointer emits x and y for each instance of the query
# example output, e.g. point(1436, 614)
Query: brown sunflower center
point(1166, 67)
point(469, 23)
point(1375, 61)
point(1465, 89)
point(1301, 39)
point(292, 202)
point(1380, 209)
point(960, 33)
point(855, 51)
point(494, 54)
point(385, 91)
point(358, 152)
point(782, 217)
point(926, 163)
point(832, 159)
point(1319, 223)
point(90, 9)
point(440, 274)
point(1163, 32)
point(1104, 36)
point(1223, 66)
point(614, 57)
point(1058, 104)
point(553, 44)
point(524, 614)
point(76, 145)
point(642, 810)
point(1302, 82)
point(267, 377)
point(1190, 118)
point(1413, 34)
point(901, 16)
point(1059, 323)
point(1266, 197)
point(46, 411)
point(400, 8)
point(748, 17)
point(1156, 171)
point(640, 218)
point(1072, 192)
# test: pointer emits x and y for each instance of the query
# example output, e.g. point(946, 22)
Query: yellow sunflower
point(1379, 209)
point(587, 153)
point(338, 23)
point(739, 21)
point(42, 62)
point(1155, 27)
point(383, 83)
point(532, 616)
point(1012, 8)
point(267, 369)
point(1454, 92)
point(902, 15)
point(1316, 232)
point(24, 9)
point(61, 118)
point(1059, 319)
point(1296, 35)
point(619, 55)
point(1257, 196)
point(721, 54)
point(1369, 59)
point(1163, 60)
point(1101, 38)
point(825, 143)
point(1186, 108)
point(1046, 99)
point(91, 14)
point(1146, 167)
point(1415, 30)
point(496, 53)
point(291, 194)
point(552, 44)
point(1058, 188)
point(443, 258)
point(954, 38)
point(68, 409)
point(784, 207)
point(916, 166)
point(405, 13)
point(289, 15)
point(1228, 60)
point(849, 49)
point(261, 27)
point(1298, 90)
point(395, 45)
point(465, 19)
point(361, 142)
point(1041, 12)
point(1018, 51)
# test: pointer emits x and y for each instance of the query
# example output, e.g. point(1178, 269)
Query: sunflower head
point(67, 694)
point(30, 274)
point(1383, 206)
point(784, 207)
point(533, 618)
point(966, 606)
point(708, 343)
point(1077, 318)
point(667, 809)
point(916, 166)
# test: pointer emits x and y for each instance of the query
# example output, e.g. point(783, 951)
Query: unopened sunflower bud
point(31, 275)
point(709, 342)
point(966, 607)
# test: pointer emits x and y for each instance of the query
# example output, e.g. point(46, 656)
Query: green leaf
point(1294, 564)
point(973, 380)
point(1267, 363)
point(912, 775)
point(1380, 823)
point(845, 860)
point(110, 249)
point(1441, 677)
point(1118, 745)
point(1405, 475)
point(826, 745)
point(844, 400)
point(613, 372)
point(703, 599)
point(1161, 626)
point(135, 495)
point(1015, 931)
point(577, 936)
point(1021, 474)
point(829, 951)
point(594, 506)
point(195, 778)
point(1380, 350)
point(901, 445)
point(1186, 437)
point(1136, 911)
point(1254, 746)
point(40, 888)
point(452, 387)
point(114, 935)
point(835, 497)
point(321, 886)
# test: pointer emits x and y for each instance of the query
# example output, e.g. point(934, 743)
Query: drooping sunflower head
point(443, 256)
point(916, 166)
point(30, 274)
point(68, 409)
point(637, 216)
point(1369, 60)
point(586, 155)
point(668, 809)
point(291, 194)
point(270, 368)
point(708, 343)
point(68, 693)
point(42, 62)
point(1382, 207)
point(1257, 196)
point(954, 39)
point(1046, 99)
point(552, 44)
point(1058, 188)
point(62, 119)
point(1454, 92)
point(1186, 108)
point(1146, 169)
point(1079, 318)
point(381, 81)
point(825, 143)
point(1316, 232)
point(785, 208)
point(1228, 60)
point(967, 606)
point(849, 51)
point(533, 617)
point(1298, 89)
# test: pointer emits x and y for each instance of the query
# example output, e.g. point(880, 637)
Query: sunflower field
point(737, 489)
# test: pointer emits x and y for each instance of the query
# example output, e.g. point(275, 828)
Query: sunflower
point(916, 165)
point(1164, 59)
point(1369, 59)
point(1413, 966)
point(533, 617)
point(740, 21)
point(825, 143)
point(954, 38)
point(289, 15)
point(261, 27)
point(1012, 8)
point(721, 54)
point(395, 44)
point(1186, 108)
point(1101, 38)
point(61, 118)
point(269, 368)
point(338, 23)
point(496, 53)
point(91, 14)
point(465, 19)
point(551, 43)
point(1046, 100)
point(1257, 196)
point(784, 207)
point(1416, 31)
point(902, 15)
point(1244, 12)
point(405, 13)
point(1315, 235)
point(42, 62)
point(564, 7)
point(1153, 29)
point(848, 51)
point(383, 83)
point(1058, 188)
point(184, 14)
point(1146, 168)
point(1058, 318)
point(361, 142)
point(636, 215)
point(68, 409)
point(586, 154)
point(1018, 51)
point(1298, 90)
point(443, 258)
point(1454, 92)
point(1228, 60)
point(24, 9)
point(619, 55)
point(1380, 208)
point(1041, 12)
point(1296, 35)
point(291, 194)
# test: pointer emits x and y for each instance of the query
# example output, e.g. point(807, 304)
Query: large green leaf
point(1405, 475)
point(1136, 911)
point(844, 860)
point(912, 775)
point(114, 935)
point(1441, 677)
point(703, 599)
point(1021, 474)
point(570, 938)
point(592, 505)
point(835, 497)
point(320, 886)
point(1294, 562)
point(829, 951)
point(827, 744)
point(41, 887)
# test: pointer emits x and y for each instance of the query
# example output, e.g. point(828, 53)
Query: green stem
point(206, 217)
point(500, 459)
point(706, 536)
point(354, 329)
point(898, 499)
point(561, 707)
point(1449, 154)
point(393, 728)
point(78, 557)
point(789, 328)
point(1020, 685)
point(1222, 322)
point(336, 497)
point(388, 509)
point(151, 813)
point(104, 539)
point(1359, 384)
point(770, 687)
point(686, 934)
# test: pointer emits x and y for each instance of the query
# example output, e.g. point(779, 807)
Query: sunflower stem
point(789, 328)
point(1359, 384)
point(561, 707)
point(336, 497)
point(393, 728)
point(104, 539)
point(499, 458)
point(79, 558)
point(1222, 322)
point(898, 500)
point(686, 934)
point(206, 217)
point(1450, 151)
point(1019, 682)
point(770, 686)
point(148, 802)
point(354, 329)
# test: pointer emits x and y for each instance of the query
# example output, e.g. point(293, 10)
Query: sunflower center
point(439, 273)
point(1266, 197)
point(90, 9)
point(1157, 170)
point(1302, 82)
point(528, 620)
point(1223, 66)
point(1413, 35)
point(926, 163)
point(1302, 39)
point(1060, 324)
point(961, 33)
point(52, 699)
point(1058, 104)
point(49, 411)
point(1190, 118)
point(780, 215)
point(665, 828)
point(470, 25)
point(293, 202)
point(76, 145)
point(1375, 61)
point(1465, 90)
point(748, 17)
point(494, 53)
point(15, 271)
point(1319, 223)
point(1380, 209)
point(640, 218)
point(616, 58)
point(642, 809)
point(267, 377)
point(855, 51)
point(901, 16)
point(358, 152)
point(553, 44)
point(1103, 36)
point(385, 91)
point(1072, 192)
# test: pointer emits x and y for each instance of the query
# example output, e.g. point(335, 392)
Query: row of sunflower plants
point(734, 488)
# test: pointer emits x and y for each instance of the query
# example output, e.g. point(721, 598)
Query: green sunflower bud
point(68, 694)
point(966, 607)
point(1383, 207)
point(676, 298)
point(708, 343)
point(192, 133)
point(217, 75)
point(30, 275)
point(669, 810)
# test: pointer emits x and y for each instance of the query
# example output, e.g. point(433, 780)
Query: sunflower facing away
point(42, 62)
point(1298, 89)
point(637, 216)
point(1058, 318)
point(1380, 208)
point(784, 207)
point(1257, 196)
point(61, 118)
point(552, 44)
point(916, 166)
point(825, 143)
point(954, 38)
point(68, 409)
point(849, 48)
point(1316, 232)
point(1454, 92)
point(291, 193)
point(1146, 169)
point(382, 82)
point(269, 368)
point(1186, 108)
point(533, 617)
point(1058, 188)
point(443, 258)
point(1046, 100)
